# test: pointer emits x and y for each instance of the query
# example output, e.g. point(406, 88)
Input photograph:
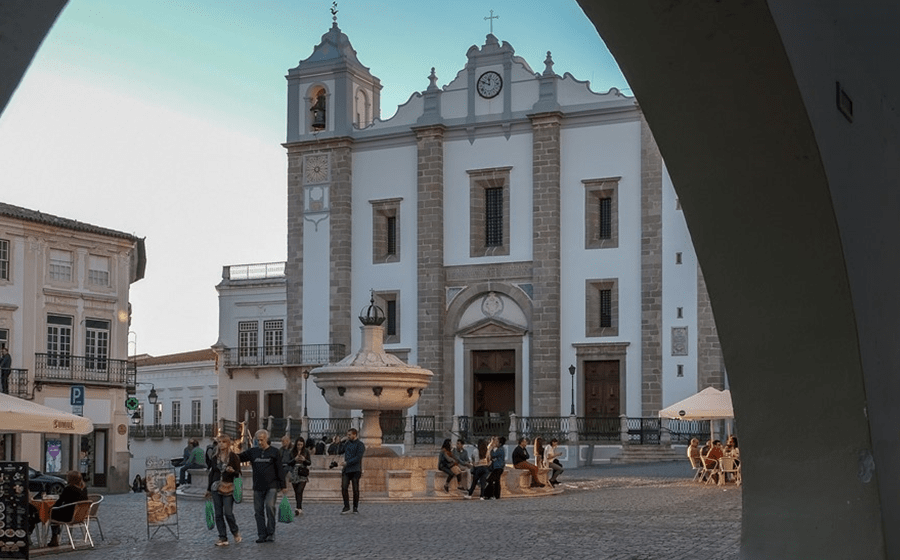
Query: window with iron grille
point(215, 410)
point(98, 271)
point(392, 235)
point(195, 413)
point(601, 311)
point(386, 230)
point(248, 338)
point(601, 213)
point(273, 336)
point(493, 217)
point(176, 412)
point(59, 340)
point(605, 229)
point(489, 213)
point(61, 265)
point(388, 302)
point(605, 308)
point(4, 259)
point(96, 344)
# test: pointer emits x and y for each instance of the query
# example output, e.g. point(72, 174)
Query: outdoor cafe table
point(44, 505)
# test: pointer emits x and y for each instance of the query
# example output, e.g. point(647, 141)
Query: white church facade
point(511, 224)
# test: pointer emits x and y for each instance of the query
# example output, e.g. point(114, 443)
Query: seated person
point(693, 451)
point(520, 461)
point(196, 459)
point(551, 454)
point(73, 492)
point(711, 460)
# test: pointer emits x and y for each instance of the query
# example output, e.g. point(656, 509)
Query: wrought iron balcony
point(88, 370)
point(297, 355)
point(18, 383)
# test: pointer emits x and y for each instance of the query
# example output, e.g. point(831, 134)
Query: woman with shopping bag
point(224, 467)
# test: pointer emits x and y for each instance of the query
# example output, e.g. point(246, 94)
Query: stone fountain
point(372, 380)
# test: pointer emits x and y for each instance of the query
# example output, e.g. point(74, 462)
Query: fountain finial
point(372, 315)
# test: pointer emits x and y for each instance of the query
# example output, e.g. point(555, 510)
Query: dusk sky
point(165, 119)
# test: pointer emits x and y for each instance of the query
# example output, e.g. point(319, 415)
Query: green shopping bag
point(210, 515)
point(285, 513)
point(238, 490)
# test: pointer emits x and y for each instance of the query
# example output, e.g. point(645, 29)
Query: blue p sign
point(76, 397)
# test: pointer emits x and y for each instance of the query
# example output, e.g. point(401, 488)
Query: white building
point(510, 223)
point(185, 387)
point(64, 315)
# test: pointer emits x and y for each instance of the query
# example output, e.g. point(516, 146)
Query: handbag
point(238, 489)
point(455, 469)
point(285, 513)
point(225, 488)
point(210, 515)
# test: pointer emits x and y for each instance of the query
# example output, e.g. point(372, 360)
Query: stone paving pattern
point(611, 512)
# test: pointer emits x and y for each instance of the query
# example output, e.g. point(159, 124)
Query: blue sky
point(165, 119)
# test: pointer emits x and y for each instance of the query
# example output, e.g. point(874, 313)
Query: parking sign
point(76, 397)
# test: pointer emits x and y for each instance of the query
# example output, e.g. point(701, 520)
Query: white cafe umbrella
point(708, 404)
point(21, 416)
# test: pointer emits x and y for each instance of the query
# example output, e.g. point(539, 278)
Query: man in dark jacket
point(354, 450)
point(5, 368)
point(268, 481)
point(520, 461)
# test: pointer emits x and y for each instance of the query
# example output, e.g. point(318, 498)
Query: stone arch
point(313, 93)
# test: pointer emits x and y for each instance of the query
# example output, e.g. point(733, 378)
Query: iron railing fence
point(393, 428)
point(683, 430)
point(424, 430)
point(284, 355)
point(473, 428)
point(90, 370)
point(232, 428)
point(17, 383)
point(599, 429)
point(546, 427)
point(643, 430)
point(328, 427)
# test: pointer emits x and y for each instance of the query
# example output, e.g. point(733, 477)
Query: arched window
point(361, 108)
point(318, 115)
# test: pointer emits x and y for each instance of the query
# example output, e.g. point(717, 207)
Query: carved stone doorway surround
point(613, 351)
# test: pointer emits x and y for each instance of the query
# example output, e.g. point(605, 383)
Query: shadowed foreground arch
point(792, 206)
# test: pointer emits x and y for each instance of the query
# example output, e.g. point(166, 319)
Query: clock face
point(489, 84)
point(316, 168)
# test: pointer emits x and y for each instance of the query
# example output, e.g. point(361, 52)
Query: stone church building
point(511, 223)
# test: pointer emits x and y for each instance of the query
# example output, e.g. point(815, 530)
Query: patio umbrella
point(21, 416)
point(708, 404)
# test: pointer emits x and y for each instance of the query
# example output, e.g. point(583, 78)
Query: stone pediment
point(492, 328)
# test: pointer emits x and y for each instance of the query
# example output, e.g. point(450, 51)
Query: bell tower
point(331, 93)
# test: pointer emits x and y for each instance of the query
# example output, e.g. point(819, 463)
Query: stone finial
point(548, 65)
point(432, 86)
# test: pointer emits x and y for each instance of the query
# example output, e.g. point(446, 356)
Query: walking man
point(5, 368)
point(352, 470)
point(268, 481)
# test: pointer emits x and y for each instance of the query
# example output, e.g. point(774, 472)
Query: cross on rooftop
point(491, 18)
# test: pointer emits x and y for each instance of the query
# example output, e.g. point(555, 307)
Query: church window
point(493, 217)
point(389, 302)
point(4, 259)
point(678, 259)
point(385, 230)
point(601, 217)
point(489, 199)
point(602, 308)
point(361, 110)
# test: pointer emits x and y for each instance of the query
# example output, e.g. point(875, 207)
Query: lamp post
point(305, 390)
point(572, 373)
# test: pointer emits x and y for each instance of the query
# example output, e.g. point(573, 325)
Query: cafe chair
point(79, 519)
point(95, 508)
point(729, 466)
point(697, 465)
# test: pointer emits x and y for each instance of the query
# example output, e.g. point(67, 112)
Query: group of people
point(488, 460)
point(273, 469)
point(709, 454)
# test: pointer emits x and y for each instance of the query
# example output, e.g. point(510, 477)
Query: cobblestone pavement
point(611, 512)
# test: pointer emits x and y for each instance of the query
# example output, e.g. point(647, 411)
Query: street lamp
point(572, 373)
point(305, 387)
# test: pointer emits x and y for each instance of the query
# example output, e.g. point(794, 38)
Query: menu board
point(14, 538)
point(162, 505)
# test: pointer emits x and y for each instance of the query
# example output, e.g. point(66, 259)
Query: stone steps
point(647, 454)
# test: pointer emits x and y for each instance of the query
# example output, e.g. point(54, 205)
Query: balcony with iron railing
point(282, 355)
point(17, 384)
point(65, 369)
